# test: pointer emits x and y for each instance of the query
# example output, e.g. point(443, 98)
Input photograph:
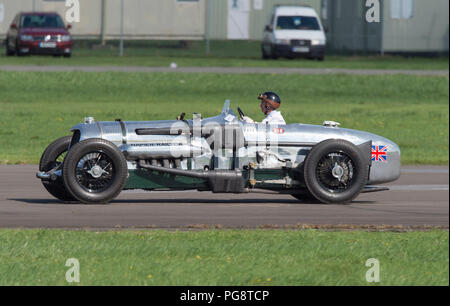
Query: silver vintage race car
point(221, 154)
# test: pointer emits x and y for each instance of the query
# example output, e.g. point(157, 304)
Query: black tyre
point(52, 157)
point(273, 53)
point(9, 52)
point(264, 54)
point(335, 171)
point(17, 50)
point(95, 171)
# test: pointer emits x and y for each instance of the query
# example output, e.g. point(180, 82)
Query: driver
point(270, 102)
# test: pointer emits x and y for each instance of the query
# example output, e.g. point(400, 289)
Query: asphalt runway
point(229, 70)
point(420, 198)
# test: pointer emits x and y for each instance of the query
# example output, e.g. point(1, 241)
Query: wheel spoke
point(95, 172)
point(340, 180)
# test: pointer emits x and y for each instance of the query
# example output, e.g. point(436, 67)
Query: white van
point(293, 31)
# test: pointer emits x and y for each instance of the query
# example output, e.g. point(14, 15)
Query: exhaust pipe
point(197, 174)
point(269, 191)
point(220, 181)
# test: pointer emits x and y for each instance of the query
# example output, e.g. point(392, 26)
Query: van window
point(297, 23)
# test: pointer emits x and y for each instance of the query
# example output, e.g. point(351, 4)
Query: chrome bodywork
point(263, 146)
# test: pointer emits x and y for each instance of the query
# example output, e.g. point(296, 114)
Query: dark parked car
point(38, 33)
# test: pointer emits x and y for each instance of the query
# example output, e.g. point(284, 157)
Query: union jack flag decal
point(379, 153)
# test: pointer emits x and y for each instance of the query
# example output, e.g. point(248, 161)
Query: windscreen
point(297, 23)
point(42, 21)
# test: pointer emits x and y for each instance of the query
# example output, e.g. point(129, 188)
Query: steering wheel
point(241, 113)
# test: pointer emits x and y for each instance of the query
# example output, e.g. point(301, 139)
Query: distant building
point(405, 26)
point(143, 19)
point(245, 19)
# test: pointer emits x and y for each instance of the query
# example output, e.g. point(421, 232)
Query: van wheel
point(95, 171)
point(273, 53)
point(263, 52)
point(335, 171)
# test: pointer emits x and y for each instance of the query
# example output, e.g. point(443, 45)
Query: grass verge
point(38, 107)
point(228, 257)
point(223, 54)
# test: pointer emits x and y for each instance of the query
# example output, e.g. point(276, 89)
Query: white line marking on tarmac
point(424, 170)
point(419, 187)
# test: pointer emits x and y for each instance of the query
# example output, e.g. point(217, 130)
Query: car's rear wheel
point(335, 171)
point(95, 171)
point(52, 158)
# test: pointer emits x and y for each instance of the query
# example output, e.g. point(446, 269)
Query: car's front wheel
point(53, 158)
point(17, 50)
point(273, 53)
point(335, 171)
point(8, 51)
point(95, 171)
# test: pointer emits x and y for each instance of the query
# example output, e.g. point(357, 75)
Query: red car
point(38, 33)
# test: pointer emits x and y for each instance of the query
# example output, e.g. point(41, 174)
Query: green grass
point(36, 108)
point(223, 53)
point(223, 257)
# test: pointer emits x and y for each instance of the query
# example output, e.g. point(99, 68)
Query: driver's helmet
point(271, 98)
